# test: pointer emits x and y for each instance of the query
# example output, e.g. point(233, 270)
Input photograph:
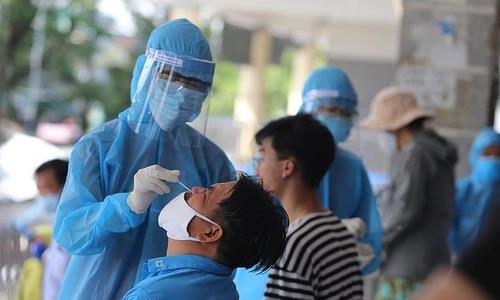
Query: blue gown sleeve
point(461, 194)
point(86, 216)
point(367, 209)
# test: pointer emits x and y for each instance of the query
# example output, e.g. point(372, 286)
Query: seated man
point(210, 232)
point(320, 259)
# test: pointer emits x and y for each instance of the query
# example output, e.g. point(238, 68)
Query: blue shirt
point(184, 277)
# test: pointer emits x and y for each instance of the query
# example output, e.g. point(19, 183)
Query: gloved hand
point(356, 226)
point(149, 182)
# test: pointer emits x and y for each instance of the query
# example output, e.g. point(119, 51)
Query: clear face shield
point(171, 91)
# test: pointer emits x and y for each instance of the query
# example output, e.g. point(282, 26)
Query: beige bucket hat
point(393, 108)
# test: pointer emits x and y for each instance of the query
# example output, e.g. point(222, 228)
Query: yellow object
point(30, 287)
point(44, 233)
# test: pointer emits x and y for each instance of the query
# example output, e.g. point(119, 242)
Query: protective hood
point(171, 80)
point(486, 138)
point(180, 37)
point(330, 86)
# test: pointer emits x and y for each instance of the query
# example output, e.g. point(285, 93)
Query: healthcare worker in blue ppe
point(477, 193)
point(119, 175)
point(329, 95)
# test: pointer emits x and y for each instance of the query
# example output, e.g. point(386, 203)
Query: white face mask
point(175, 218)
point(387, 142)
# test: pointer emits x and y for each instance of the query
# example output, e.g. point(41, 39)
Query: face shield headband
point(316, 98)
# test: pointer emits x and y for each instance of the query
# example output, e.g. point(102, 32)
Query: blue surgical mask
point(48, 202)
point(487, 170)
point(43, 210)
point(173, 105)
point(339, 127)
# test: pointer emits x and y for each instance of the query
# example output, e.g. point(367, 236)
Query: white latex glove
point(356, 226)
point(365, 254)
point(150, 182)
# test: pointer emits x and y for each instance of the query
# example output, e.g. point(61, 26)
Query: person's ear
point(287, 168)
point(212, 233)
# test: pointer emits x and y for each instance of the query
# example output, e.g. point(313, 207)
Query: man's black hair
point(59, 166)
point(306, 140)
point(254, 226)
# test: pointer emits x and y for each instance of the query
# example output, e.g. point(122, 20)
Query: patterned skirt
point(394, 288)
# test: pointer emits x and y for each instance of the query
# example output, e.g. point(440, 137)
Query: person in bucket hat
point(394, 108)
point(416, 207)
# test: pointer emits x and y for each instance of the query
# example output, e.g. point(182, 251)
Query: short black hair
point(59, 166)
point(254, 226)
point(306, 140)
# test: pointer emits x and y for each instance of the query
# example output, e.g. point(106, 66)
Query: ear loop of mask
point(203, 217)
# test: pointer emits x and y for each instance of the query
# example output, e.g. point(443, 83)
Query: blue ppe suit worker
point(345, 189)
point(329, 95)
point(477, 193)
point(107, 236)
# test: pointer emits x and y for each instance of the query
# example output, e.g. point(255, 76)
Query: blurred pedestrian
point(417, 205)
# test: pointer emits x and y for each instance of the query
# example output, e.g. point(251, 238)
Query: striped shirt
point(320, 262)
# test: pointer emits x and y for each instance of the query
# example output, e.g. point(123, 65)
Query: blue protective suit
point(475, 195)
point(186, 277)
point(106, 239)
point(345, 188)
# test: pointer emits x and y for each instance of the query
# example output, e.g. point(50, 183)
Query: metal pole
point(3, 65)
point(494, 67)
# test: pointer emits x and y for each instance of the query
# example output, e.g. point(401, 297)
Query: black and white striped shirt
point(320, 262)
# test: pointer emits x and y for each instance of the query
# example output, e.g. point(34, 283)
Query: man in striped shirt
point(320, 259)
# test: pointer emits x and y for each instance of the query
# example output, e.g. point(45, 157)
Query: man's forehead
point(223, 190)
point(226, 185)
point(223, 185)
point(45, 174)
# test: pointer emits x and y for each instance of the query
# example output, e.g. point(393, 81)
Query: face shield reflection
point(171, 91)
point(335, 111)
